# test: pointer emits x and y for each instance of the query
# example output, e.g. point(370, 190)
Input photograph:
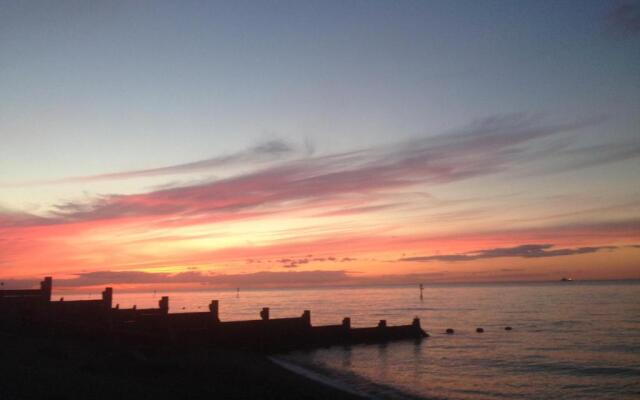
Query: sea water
point(570, 340)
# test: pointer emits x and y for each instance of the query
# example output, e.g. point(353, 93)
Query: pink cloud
point(321, 186)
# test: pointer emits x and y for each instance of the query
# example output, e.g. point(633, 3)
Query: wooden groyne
point(34, 310)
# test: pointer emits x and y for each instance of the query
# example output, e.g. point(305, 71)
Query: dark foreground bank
point(48, 368)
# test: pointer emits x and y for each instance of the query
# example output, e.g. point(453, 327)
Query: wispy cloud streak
point(486, 147)
point(255, 279)
point(269, 151)
point(523, 251)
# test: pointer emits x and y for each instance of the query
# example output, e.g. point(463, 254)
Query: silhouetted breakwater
point(33, 310)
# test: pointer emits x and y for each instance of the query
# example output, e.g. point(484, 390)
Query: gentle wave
point(308, 373)
point(349, 383)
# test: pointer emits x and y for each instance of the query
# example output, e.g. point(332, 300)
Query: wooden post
point(164, 305)
point(107, 298)
point(306, 317)
point(213, 308)
point(264, 314)
point(46, 285)
point(346, 323)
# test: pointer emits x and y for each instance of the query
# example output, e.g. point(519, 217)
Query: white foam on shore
point(318, 377)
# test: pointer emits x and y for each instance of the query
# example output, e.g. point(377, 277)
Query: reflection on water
point(577, 340)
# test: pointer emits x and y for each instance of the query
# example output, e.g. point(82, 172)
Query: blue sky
point(199, 78)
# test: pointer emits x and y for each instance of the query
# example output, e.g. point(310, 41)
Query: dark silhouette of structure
point(33, 310)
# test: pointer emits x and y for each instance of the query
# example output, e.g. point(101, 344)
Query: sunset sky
point(251, 144)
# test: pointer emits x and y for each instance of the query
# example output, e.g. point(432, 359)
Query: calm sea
point(575, 340)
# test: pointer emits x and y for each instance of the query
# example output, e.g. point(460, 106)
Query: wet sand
point(45, 368)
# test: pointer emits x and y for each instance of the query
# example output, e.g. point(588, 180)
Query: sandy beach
point(44, 368)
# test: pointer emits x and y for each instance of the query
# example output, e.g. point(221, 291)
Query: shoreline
point(316, 377)
point(368, 389)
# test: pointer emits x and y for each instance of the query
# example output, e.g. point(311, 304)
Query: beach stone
point(450, 331)
point(508, 328)
point(479, 330)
